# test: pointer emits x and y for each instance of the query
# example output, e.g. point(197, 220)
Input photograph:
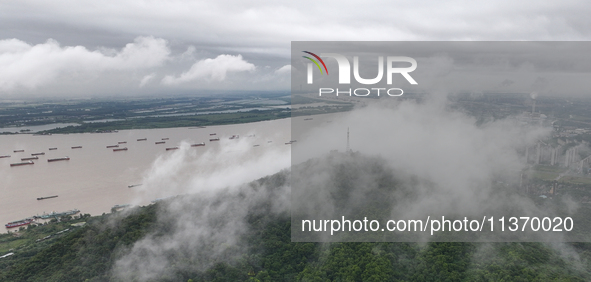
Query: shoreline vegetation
point(102, 115)
point(88, 248)
point(170, 122)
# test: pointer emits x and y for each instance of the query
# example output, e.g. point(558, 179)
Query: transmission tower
point(348, 149)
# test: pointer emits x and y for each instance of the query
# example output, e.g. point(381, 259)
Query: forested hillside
point(90, 252)
point(265, 253)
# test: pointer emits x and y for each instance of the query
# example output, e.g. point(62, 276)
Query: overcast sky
point(124, 47)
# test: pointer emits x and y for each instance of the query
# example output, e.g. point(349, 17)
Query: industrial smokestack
point(348, 148)
point(538, 154)
point(533, 95)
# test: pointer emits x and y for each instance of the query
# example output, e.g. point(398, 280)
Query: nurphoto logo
point(344, 68)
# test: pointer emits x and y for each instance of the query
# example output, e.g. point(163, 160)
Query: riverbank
point(175, 121)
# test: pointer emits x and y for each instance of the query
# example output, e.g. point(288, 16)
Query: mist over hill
point(243, 234)
point(220, 229)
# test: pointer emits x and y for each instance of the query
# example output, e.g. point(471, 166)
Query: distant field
point(576, 180)
point(176, 121)
point(547, 172)
point(27, 240)
point(48, 111)
point(149, 113)
point(550, 173)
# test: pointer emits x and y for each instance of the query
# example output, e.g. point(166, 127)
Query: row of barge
point(35, 156)
point(28, 161)
point(116, 148)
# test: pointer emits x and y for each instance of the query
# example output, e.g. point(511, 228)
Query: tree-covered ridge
point(90, 252)
point(86, 253)
point(264, 252)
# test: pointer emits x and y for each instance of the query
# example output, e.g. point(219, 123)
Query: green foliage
point(85, 253)
point(157, 111)
point(176, 121)
point(88, 254)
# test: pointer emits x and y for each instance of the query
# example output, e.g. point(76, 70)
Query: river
point(96, 178)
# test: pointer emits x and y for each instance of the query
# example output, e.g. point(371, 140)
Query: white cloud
point(211, 69)
point(260, 30)
point(284, 70)
point(147, 79)
point(268, 25)
point(30, 66)
point(189, 53)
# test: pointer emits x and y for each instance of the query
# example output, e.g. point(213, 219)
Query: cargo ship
point(5, 156)
point(134, 185)
point(172, 148)
point(165, 138)
point(142, 139)
point(113, 146)
point(52, 149)
point(120, 149)
point(30, 158)
point(124, 142)
point(38, 154)
point(160, 142)
point(48, 197)
point(214, 139)
point(211, 134)
point(57, 214)
point(198, 144)
point(59, 159)
point(18, 223)
point(77, 147)
point(291, 142)
point(235, 137)
point(256, 145)
point(23, 163)
point(18, 151)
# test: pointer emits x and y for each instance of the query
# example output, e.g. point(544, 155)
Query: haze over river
point(96, 178)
